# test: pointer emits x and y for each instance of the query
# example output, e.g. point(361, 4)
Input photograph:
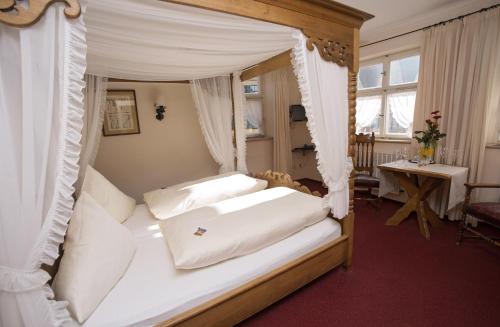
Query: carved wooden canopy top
point(331, 50)
point(25, 13)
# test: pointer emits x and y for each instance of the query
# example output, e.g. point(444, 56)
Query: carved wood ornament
point(14, 13)
point(330, 50)
point(276, 179)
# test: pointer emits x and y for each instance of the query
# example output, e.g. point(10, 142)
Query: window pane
point(400, 113)
point(368, 111)
point(370, 76)
point(253, 117)
point(405, 70)
point(252, 86)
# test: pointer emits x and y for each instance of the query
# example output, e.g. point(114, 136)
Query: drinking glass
point(442, 154)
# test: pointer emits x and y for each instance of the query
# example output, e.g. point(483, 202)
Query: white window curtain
point(460, 76)
point(401, 106)
point(253, 112)
point(323, 86)
point(282, 154)
point(41, 109)
point(240, 103)
point(93, 117)
point(212, 99)
point(367, 109)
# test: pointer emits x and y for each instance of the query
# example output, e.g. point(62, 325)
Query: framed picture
point(120, 117)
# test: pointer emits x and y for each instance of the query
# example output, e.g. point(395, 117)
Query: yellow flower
point(426, 152)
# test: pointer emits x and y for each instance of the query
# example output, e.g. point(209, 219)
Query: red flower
point(434, 112)
point(437, 117)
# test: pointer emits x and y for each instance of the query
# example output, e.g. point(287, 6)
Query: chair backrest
point(363, 156)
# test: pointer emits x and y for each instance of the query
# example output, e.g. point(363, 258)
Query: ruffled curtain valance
point(41, 82)
point(323, 86)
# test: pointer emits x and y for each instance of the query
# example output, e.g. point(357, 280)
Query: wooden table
point(408, 178)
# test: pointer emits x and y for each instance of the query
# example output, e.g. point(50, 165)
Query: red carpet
point(398, 279)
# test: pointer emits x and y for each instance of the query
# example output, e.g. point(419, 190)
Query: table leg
point(417, 202)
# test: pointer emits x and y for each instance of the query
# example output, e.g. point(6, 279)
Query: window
point(253, 110)
point(387, 88)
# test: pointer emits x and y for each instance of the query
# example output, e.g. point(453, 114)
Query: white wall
point(165, 152)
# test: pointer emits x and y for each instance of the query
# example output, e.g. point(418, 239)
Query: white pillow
point(119, 205)
point(180, 198)
point(97, 252)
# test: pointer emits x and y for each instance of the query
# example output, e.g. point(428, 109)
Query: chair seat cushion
point(366, 181)
point(488, 211)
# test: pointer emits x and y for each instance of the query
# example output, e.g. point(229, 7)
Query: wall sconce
point(160, 111)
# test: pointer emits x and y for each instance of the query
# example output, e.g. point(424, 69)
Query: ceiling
point(394, 17)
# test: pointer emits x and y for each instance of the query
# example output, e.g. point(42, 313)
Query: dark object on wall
point(297, 112)
point(120, 117)
point(160, 111)
point(304, 148)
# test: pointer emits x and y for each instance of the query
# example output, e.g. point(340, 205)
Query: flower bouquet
point(429, 138)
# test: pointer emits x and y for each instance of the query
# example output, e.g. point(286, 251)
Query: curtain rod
point(433, 25)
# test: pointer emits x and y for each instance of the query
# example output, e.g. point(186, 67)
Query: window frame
point(387, 89)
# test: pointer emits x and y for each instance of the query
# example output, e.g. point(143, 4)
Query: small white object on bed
point(180, 198)
point(239, 226)
point(153, 290)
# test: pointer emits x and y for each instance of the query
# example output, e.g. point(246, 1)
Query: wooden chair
point(489, 212)
point(363, 166)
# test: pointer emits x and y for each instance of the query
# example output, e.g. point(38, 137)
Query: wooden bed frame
point(333, 29)
point(244, 301)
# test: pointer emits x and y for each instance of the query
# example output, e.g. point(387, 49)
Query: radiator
point(381, 158)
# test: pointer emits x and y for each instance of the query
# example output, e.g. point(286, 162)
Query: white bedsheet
point(152, 290)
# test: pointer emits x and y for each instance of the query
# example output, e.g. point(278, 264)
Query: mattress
point(152, 290)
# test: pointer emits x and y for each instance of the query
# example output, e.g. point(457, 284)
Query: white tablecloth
point(444, 199)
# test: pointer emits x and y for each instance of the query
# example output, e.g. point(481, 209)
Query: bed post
point(348, 224)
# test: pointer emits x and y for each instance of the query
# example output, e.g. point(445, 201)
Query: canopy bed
point(46, 47)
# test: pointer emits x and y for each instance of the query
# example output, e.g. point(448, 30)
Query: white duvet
point(180, 198)
point(239, 226)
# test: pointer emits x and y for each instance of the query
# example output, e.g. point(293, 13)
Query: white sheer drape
point(367, 109)
point(41, 82)
point(93, 117)
point(175, 42)
point(253, 112)
point(460, 76)
point(240, 103)
point(401, 106)
point(212, 99)
point(323, 86)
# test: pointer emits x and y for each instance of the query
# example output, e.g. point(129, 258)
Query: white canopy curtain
point(93, 117)
point(175, 42)
point(41, 82)
point(239, 102)
point(212, 99)
point(323, 86)
point(460, 76)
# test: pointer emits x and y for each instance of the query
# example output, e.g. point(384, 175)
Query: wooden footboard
point(248, 299)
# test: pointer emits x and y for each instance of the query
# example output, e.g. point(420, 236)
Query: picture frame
point(120, 115)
